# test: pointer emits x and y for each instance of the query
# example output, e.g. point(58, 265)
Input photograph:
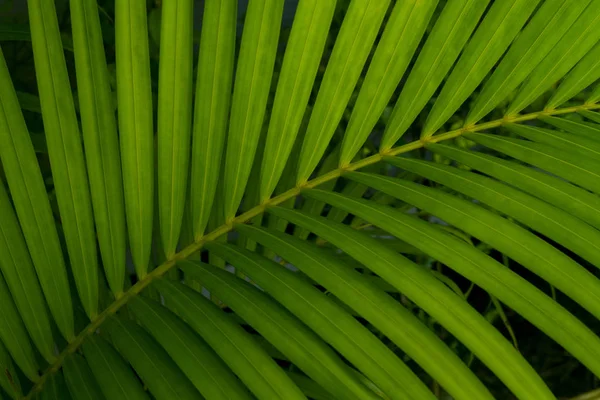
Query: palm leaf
point(296, 250)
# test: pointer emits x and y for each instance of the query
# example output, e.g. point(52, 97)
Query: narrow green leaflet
point(55, 388)
point(213, 97)
point(65, 151)
point(586, 129)
point(326, 318)
point(562, 194)
point(9, 380)
point(113, 374)
point(151, 362)
point(251, 90)
point(445, 42)
point(586, 72)
point(450, 283)
point(449, 309)
point(79, 379)
point(206, 371)
point(17, 268)
point(580, 170)
point(402, 34)
point(595, 96)
point(577, 144)
point(100, 139)
point(239, 351)
point(352, 46)
point(543, 31)
point(32, 206)
point(502, 23)
point(369, 301)
point(512, 240)
point(370, 385)
point(135, 126)
point(14, 336)
point(378, 197)
point(571, 48)
point(174, 117)
point(591, 115)
point(300, 63)
point(294, 339)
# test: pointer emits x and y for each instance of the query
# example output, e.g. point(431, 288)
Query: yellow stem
point(259, 209)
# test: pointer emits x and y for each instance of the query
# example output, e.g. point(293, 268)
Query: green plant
point(351, 237)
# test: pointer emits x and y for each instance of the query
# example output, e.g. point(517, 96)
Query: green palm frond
point(298, 218)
